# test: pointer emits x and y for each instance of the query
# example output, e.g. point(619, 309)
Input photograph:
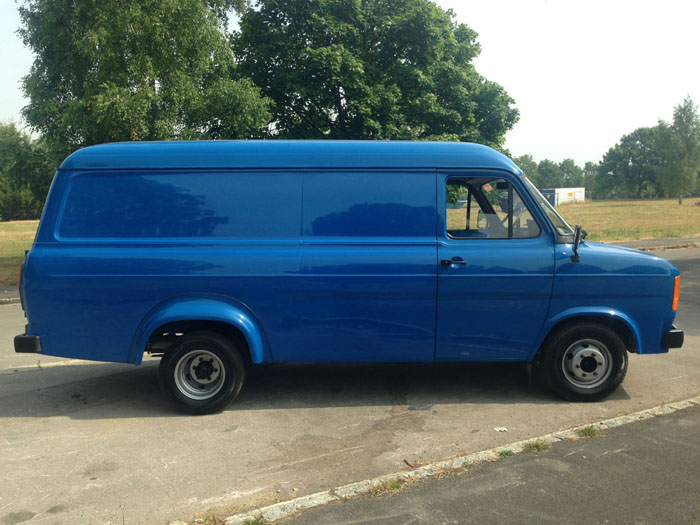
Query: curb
point(9, 300)
point(286, 509)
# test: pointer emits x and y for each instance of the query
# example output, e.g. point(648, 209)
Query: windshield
point(557, 221)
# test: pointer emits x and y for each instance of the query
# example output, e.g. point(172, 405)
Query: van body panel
point(637, 286)
point(368, 266)
point(493, 307)
point(315, 251)
point(180, 204)
point(201, 307)
point(587, 312)
point(286, 154)
point(105, 292)
point(365, 302)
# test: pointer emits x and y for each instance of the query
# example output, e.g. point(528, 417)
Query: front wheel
point(584, 361)
point(202, 372)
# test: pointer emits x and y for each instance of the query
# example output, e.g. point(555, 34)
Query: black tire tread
point(233, 383)
point(561, 339)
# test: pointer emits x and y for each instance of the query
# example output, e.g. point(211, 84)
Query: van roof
point(287, 154)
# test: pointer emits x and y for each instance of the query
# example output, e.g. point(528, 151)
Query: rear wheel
point(584, 361)
point(202, 372)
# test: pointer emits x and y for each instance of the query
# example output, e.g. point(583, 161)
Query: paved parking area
point(97, 443)
point(645, 472)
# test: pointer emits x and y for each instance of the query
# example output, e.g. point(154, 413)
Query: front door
point(495, 268)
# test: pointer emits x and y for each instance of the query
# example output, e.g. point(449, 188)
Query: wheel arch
point(211, 312)
point(617, 321)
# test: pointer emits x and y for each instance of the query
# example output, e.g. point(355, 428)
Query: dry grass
point(15, 237)
point(612, 221)
point(618, 221)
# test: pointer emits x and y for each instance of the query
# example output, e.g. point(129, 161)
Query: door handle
point(449, 262)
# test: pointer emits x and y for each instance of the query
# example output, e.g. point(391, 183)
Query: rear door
point(495, 268)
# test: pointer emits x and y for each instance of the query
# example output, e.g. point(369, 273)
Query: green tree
point(678, 145)
point(119, 70)
point(26, 170)
point(529, 167)
point(590, 176)
point(629, 167)
point(382, 69)
point(571, 173)
point(551, 175)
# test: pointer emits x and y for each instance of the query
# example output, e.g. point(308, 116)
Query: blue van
point(220, 255)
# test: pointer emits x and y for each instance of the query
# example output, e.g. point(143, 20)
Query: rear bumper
point(27, 344)
point(673, 338)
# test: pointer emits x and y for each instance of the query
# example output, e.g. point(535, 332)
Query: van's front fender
point(202, 307)
point(588, 312)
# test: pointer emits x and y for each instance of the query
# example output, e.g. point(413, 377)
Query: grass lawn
point(607, 221)
point(15, 237)
point(617, 221)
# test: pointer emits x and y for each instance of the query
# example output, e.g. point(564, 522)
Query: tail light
point(676, 292)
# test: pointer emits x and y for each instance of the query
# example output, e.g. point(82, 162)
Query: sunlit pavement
point(94, 442)
point(644, 472)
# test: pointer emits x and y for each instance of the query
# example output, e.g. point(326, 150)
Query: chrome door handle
point(449, 262)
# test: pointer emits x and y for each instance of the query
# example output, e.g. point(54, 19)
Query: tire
point(202, 372)
point(584, 361)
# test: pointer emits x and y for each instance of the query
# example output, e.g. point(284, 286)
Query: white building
point(557, 196)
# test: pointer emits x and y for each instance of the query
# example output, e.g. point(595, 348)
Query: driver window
point(486, 208)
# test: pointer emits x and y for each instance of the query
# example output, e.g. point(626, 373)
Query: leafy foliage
point(529, 166)
point(549, 174)
point(115, 71)
point(455, 193)
point(590, 177)
point(629, 166)
point(385, 69)
point(663, 160)
point(342, 69)
point(679, 150)
point(26, 170)
point(571, 173)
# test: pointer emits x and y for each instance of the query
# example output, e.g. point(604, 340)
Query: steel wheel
point(583, 361)
point(199, 374)
point(202, 372)
point(587, 363)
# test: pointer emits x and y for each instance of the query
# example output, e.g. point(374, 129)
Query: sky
point(582, 73)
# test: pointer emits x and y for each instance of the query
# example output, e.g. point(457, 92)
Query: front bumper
point(27, 344)
point(673, 338)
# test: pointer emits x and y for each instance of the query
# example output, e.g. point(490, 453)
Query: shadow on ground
point(111, 391)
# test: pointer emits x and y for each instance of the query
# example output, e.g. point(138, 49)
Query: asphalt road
point(644, 472)
point(97, 443)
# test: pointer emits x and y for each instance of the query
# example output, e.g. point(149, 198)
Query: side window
point(486, 208)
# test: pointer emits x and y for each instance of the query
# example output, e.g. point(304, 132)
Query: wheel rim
point(587, 363)
point(199, 374)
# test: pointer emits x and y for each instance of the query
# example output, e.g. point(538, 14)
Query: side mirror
point(577, 240)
